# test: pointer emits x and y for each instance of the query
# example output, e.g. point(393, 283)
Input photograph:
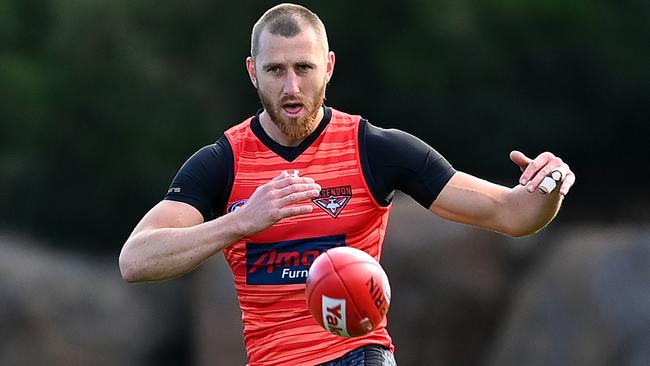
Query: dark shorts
point(370, 355)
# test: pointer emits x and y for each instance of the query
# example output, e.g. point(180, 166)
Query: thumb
point(520, 159)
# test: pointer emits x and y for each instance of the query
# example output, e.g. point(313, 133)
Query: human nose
point(291, 86)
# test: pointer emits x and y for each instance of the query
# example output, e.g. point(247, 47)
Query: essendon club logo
point(285, 262)
point(333, 200)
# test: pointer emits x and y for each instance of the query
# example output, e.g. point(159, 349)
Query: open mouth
point(292, 109)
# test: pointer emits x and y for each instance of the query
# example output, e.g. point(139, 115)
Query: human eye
point(304, 67)
point(274, 69)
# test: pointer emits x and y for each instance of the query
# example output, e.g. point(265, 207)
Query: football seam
point(349, 294)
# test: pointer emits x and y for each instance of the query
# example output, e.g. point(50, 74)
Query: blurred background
point(102, 101)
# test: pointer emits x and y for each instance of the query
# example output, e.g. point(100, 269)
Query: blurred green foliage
point(101, 101)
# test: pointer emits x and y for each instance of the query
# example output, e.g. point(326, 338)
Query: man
point(299, 178)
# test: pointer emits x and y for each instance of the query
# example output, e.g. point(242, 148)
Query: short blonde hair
point(287, 20)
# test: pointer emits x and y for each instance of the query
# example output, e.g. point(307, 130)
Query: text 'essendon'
point(336, 191)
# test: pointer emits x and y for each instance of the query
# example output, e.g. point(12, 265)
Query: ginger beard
point(295, 128)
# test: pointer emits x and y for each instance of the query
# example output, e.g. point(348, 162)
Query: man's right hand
point(172, 239)
point(276, 200)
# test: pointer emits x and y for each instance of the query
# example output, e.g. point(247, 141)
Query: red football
point(347, 292)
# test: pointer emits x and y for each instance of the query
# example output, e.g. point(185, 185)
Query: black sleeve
point(393, 159)
point(205, 180)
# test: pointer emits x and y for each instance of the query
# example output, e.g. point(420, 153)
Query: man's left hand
point(534, 170)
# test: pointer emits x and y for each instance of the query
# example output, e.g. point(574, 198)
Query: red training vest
point(270, 267)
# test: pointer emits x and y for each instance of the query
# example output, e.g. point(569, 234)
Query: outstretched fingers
point(543, 173)
point(567, 183)
point(520, 159)
point(296, 193)
point(535, 171)
point(283, 181)
point(294, 211)
point(286, 191)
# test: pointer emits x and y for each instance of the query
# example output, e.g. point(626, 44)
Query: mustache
point(293, 99)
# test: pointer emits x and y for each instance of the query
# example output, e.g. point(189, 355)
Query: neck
point(276, 134)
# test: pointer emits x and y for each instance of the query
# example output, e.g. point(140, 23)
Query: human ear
point(331, 59)
point(252, 72)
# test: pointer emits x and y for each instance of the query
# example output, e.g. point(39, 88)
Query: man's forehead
point(306, 44)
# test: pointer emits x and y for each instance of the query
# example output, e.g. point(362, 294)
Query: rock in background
point(575, 295)
point(586, 303)
point(61, 308)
